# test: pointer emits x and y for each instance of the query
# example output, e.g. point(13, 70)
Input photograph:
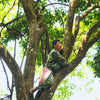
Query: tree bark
point(68, 37)
point(29, 70)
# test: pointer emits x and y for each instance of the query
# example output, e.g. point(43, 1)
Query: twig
point(55, 4)
point(15, 48)
point(52, 4)
point(1, 30)
point(24, 53)
point(18, 9)
point(43, 55)
point(16, 19)
point(12, 86)
point(8, 11)
point(37, 79)
point(5, 74)
point(11, 90)
point(5, 97)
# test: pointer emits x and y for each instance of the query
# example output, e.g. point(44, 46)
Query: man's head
point(57, 45)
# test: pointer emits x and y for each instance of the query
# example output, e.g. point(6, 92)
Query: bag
point(45, 74)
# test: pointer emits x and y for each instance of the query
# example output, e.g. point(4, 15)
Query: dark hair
point(54, 43)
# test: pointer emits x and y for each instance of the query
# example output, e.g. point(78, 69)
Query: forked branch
point(88, 11)
point(79, 18)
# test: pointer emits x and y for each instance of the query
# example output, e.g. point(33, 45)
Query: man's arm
point(61, 60)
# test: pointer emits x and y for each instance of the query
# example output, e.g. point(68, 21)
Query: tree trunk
point(29, 71)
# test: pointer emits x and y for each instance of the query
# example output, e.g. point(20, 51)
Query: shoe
point(33, 90)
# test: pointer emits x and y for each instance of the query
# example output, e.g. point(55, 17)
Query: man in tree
point(54, 63)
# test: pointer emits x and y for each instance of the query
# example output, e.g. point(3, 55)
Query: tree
point(34, 27)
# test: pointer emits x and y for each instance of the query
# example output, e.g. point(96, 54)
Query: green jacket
point(55, 61)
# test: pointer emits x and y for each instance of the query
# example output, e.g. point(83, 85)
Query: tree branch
point(42, 52)
point(16, 19)
point(12, 88)
point(24, 52)
point(86, 43)
point(79, 18)
point(88, 34)
point(18, 9)
point(5, 74)
point(77, 24)
point(94, 39)
point(8, 11)
point(88, 11)
point(1, 30)
point(12, 65)
point(47, 43)
point(68, 37)
point(55, 4)
point(6, 97)
point(5, 25)
point(29, 8)
point(13, 82)
point(52, 4)
point(81, 54)
point(38, 1)
point(29, 69)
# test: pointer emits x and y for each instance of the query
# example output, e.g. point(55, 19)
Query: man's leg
point(38, 94)
point(44, 85)
point(34, 89)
